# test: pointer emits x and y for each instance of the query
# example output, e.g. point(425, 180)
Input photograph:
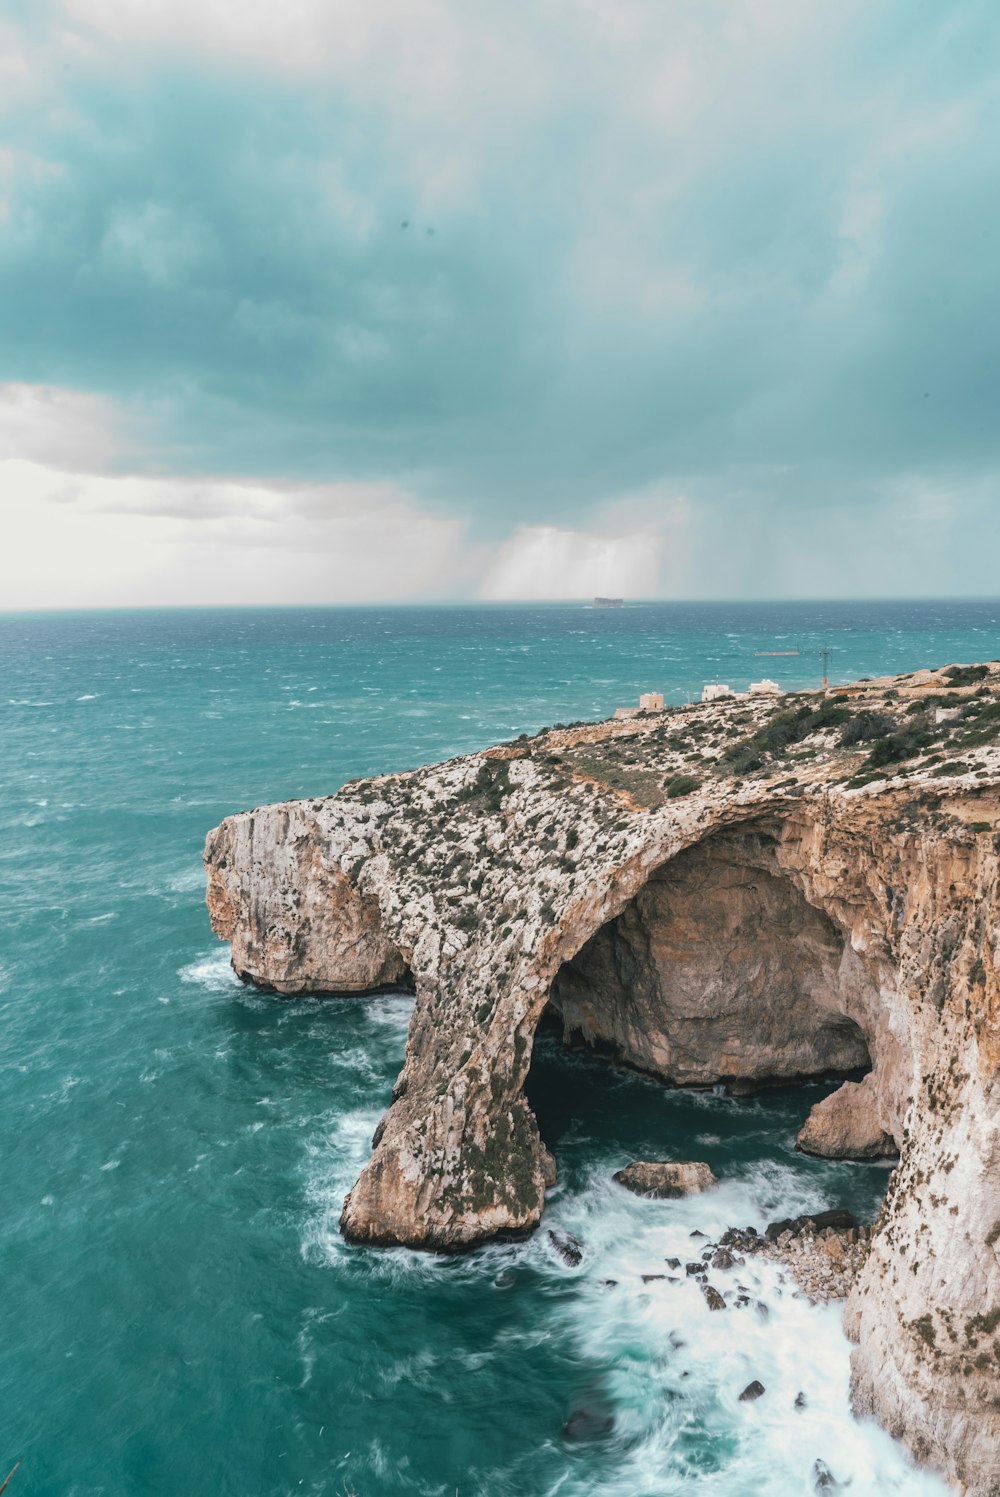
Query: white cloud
point(64, 428)
point(77, 540)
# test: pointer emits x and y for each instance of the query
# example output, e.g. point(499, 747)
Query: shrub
point(744, 757)
point(898, 746)
point(865, 726)
point(965, 675)
point(681, 784)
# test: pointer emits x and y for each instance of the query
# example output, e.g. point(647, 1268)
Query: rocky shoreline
point(825, 1262)
point(738, 894)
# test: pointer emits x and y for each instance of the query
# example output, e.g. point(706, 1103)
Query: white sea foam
point(89, 696)
point(214, 972)
point(678, 1367)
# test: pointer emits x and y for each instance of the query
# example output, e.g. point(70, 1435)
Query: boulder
point(569, 1248)
point(665, 1180)
point(713, 1298)
point(847, 1125)
point(752, 1391)
point(784, 1231)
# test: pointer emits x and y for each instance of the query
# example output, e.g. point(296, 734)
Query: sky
point(333, 301)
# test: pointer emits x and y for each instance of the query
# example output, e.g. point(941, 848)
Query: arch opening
point(719, 972)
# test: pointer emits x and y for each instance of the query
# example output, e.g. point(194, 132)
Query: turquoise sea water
point(179, 1314)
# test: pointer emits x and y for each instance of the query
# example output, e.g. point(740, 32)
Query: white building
point(716, 690)
point(651, 701)
point(765, 688)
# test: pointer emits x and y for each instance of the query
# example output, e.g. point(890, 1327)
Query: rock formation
point(665, 1180)
point(848, 1125)
point(740, 892)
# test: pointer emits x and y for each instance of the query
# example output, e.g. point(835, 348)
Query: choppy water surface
point(180, 1314)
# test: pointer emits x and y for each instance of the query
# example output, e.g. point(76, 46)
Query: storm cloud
point(710, 287)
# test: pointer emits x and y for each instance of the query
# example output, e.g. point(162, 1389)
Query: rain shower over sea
point(180, 1313)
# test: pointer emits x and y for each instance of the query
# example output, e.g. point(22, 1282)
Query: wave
point(677, 1368)
point(213, 972)
point(187, 880)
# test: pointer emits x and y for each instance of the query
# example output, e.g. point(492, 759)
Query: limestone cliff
point(747, 891)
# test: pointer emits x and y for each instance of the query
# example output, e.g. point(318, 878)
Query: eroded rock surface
point(848, 1125)
point(665, 1180)
point(740, 892)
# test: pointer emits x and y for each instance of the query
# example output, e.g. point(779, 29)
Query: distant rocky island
point(738, 893)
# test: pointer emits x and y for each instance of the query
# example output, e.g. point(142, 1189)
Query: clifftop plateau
point(748, 891)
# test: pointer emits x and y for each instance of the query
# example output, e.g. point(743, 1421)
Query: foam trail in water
point(673, 1369)
point(213, 971)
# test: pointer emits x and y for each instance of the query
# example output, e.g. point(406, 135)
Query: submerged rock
point(588, 1424)
point(665, 1180)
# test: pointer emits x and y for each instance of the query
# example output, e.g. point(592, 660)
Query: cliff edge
point(749, 891)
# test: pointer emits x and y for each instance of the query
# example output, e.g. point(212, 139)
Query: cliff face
point(741, 892)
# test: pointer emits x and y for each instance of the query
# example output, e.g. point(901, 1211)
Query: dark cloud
point(790, 290)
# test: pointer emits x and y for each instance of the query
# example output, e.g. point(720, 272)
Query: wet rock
point(702, 1235)
point(824, 1479)
point(694, 1270)
point(610, 1284)
point(569, 1248)
point(665, 1180)
point(588, 1424)
point(506, 1278)
point(713, 1298)
point(752, 1392)
point(652, 1278)
point(722, 1258)
point(800, 1400)
point(672, 1262)
point(839, 1219)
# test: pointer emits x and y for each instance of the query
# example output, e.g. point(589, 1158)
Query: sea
point(179, 1313)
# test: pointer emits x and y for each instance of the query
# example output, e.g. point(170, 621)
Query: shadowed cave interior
point(718, 973)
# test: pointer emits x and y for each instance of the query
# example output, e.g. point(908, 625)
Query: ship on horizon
point(609, 602)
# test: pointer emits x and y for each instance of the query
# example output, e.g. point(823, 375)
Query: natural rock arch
point(719, 970)
point(465, 876)
point(780, 1007)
